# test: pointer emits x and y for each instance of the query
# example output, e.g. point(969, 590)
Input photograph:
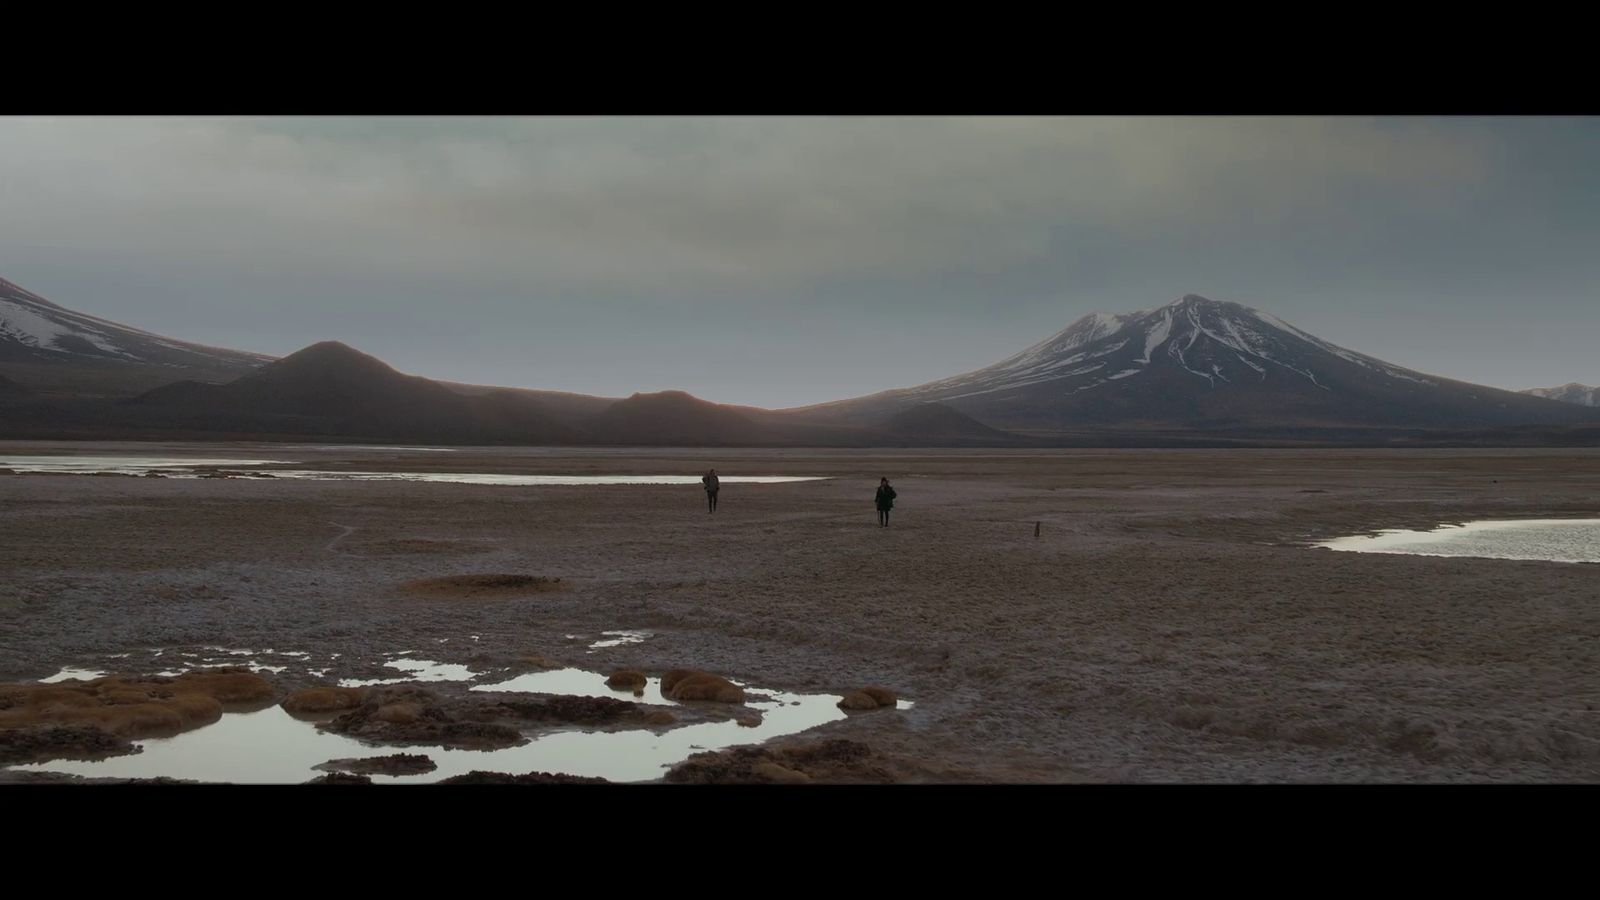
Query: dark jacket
point(710, 481)
point(885, 497)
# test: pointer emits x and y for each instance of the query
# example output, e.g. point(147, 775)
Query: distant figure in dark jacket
point(710, 481)
point(884, 501)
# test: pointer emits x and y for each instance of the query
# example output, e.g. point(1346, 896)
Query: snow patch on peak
point(1156, 336)
point(1106, 323)
point(1228, 345)
point(1093, 327)
point(29, 321)
point(27, 326)
point(1194, 300)
point(1571, 392)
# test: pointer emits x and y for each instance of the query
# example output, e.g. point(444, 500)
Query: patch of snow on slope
point(1397, 373)
point(41, 331)
point(1155, 336)
point(1176, 352)
point(1245, 340)
point(29, 327)
point(1101, 326)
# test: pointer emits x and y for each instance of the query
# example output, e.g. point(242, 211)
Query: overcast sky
point(785, 261)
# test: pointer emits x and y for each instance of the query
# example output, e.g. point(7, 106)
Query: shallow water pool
point(123, 465)
point(271, 747)
point(1551, 540)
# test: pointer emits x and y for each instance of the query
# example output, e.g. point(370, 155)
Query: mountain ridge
point(1571, 392)
point(332, 388)
point(1191, 372)
point(1207, 365)
point(55, 350)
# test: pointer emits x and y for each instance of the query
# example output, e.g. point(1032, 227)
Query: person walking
point(884, 500)
point(710, 481)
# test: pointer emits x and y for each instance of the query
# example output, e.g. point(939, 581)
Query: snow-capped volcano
point(1197, 363)
point(33, 327)
point(1572, 392)
point(1218, 342)
point(64, 352)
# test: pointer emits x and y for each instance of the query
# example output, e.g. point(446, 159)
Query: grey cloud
point(961, 237)
point(723, 202)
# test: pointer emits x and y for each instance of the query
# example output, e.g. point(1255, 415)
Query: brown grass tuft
point(770, 771)
point(884, 696)
point(835, 761)
point(133, 707)
point(688, 685)
point(398, 713)
point(627, 679)
point(671, 679)
point(857, 700)
point(312, 701)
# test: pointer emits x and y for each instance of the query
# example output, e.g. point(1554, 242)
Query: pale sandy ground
point(1167, 626)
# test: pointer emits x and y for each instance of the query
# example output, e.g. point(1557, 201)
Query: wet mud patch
point(415, 547)
point(534, 662)
point(42, 743)
point(569, 710)
point(530, 778)
point(416, 670)
point(415, 716)
point(833, 761)
point(186, 592)
point(481, 586)
point(341, 778)
point(393, 764)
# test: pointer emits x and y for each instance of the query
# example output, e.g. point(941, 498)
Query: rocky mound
point(570, 710)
